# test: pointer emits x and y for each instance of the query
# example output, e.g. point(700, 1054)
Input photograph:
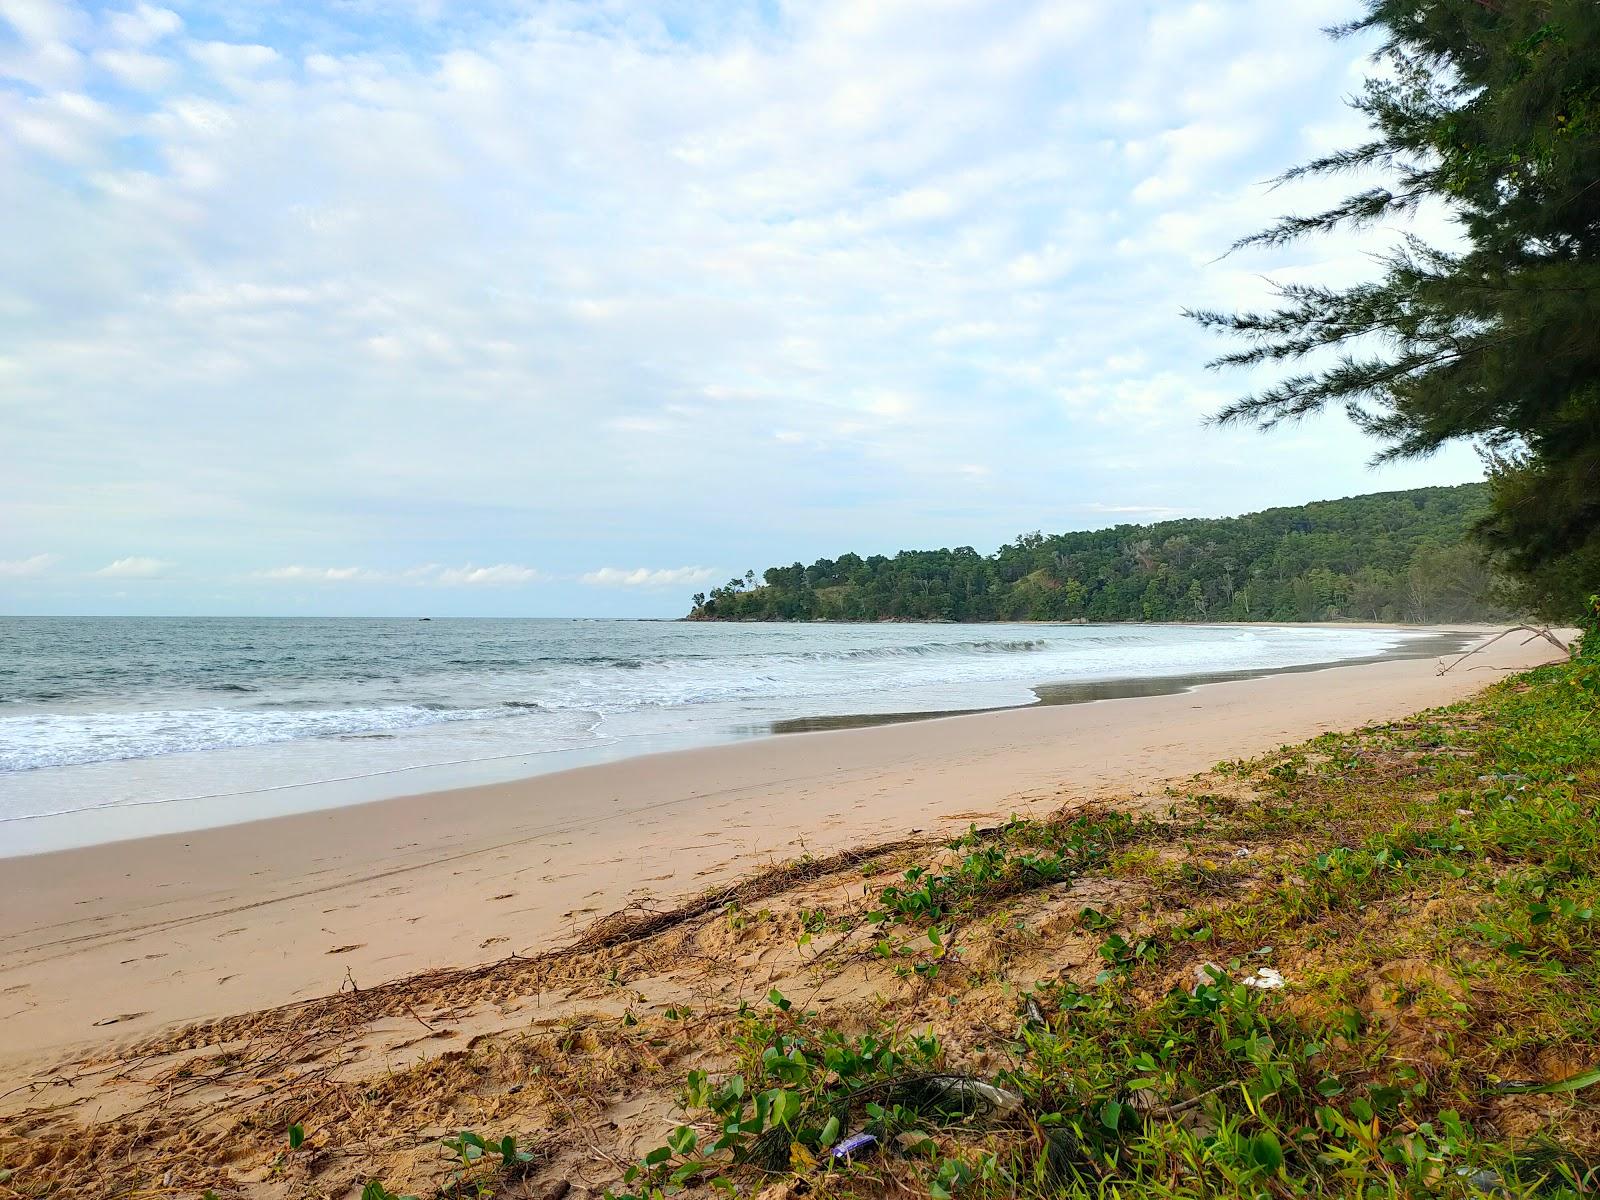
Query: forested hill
point(1391, 556)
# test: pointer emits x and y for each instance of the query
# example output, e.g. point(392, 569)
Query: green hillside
point(1390, 556)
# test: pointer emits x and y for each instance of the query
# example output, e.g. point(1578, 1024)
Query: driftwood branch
point(1536, 633)
point(1172, 1110)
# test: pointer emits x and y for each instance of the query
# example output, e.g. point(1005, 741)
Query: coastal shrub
point(472, 1148)
point(802, 1087)
point(1588, 647)
point(997, 863)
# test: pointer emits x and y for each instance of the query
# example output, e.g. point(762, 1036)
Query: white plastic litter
point(1265, 978)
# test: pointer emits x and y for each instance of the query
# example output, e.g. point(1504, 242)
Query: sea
point(116, 726)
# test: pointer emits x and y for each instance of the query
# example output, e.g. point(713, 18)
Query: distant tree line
point(1392, 556)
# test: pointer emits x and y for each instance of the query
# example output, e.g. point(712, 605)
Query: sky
point(404, 307)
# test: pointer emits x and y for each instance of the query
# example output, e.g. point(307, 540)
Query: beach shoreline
point(136, 793)
point(113, 942)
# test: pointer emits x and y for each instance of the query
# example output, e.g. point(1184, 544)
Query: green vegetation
point(1400, 996)
point(1491, 110)
point(1393, 556)
point(991, 865)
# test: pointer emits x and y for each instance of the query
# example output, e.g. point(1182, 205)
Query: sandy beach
point(110, 943)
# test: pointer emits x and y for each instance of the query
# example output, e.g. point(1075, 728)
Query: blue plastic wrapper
point(854, 1144)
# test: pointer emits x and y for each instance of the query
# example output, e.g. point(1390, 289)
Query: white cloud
point(644, 577)
point(429, 575)
point(22, 568)
point(68, 126)
point(304, 574)
point(40, 21)
point(144, 24)
point(500, 574)
point(232, 60)
point(135, 567)
point(148, 72)
point(42, 55)
point(645, 425)
point(1157, 511)
point(922, 204)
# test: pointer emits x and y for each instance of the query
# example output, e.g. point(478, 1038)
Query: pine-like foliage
point(1493, 107)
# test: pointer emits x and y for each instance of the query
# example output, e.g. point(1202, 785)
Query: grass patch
point(1372, 973)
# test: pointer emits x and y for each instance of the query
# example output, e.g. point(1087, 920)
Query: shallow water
point(100, 713)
